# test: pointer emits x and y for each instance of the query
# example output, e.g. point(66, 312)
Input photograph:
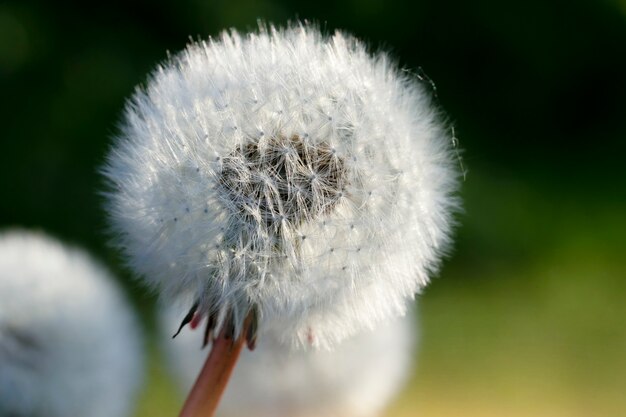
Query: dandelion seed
point(69, 343)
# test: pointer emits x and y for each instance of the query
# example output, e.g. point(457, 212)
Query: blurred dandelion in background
point(358, 378)
point(70, 344)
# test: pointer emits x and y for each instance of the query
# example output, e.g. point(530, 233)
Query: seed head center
point(281, 181)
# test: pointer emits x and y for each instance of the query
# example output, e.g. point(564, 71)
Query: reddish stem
point(211, 383)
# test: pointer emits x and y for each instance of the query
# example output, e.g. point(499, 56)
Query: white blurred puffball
point(287, 172)
point(358, 378)
point(69, 342)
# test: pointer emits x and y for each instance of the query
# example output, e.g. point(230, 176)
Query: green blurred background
point(528, 316)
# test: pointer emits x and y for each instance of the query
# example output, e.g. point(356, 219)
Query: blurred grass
point(544, 340)
point(536, 329)
point(159, 397)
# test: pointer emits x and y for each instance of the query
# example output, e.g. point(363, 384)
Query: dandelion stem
point(211, 383)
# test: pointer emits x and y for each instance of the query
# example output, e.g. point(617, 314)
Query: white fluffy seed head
point(69, 343)
point(285, 171)
point(358, 378)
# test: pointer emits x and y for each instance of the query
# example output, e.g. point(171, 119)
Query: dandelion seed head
point(254, 141)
